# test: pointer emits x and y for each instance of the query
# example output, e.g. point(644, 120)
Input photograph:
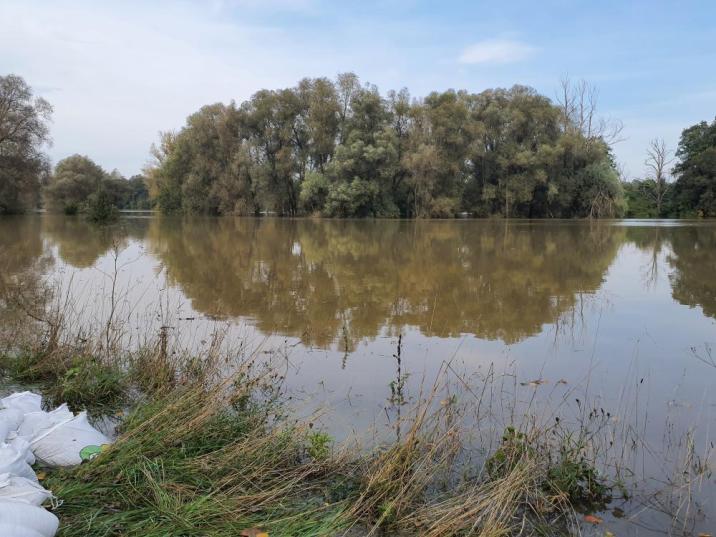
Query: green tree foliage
point(135, 194)
point(75, 178)
point(343, 149)
point(78, 184)
point(23, 132)
point(695, 189)
point(314, 192)
point(653, 196)
point(100, 207)
point(640, 196)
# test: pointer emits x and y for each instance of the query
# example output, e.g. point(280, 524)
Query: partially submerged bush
point(561, 467)
point(575, 476)
point(100, 207)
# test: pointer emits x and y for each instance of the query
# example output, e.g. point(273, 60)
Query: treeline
point(343, 149)
point(693, 194)
point(339, 148)
point(79, 185)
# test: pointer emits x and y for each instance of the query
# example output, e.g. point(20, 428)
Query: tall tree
point(658, 159)
point(343, 149)
point(695, 189)
point(24, 131)
point(74, 180)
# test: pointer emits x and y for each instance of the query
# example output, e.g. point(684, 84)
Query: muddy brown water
point(618, 313)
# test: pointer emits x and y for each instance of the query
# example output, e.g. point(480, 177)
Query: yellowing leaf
point(41, 475)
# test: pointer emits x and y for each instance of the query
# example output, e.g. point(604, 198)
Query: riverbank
point(210, 445)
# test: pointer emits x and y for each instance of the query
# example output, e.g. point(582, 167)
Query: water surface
point(624, 309)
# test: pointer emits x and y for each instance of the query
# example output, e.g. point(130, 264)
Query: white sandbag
point(20, 489)
point(24, 401)
point(35, 423)
point(68, 443)
point(14, 462)
point(12, 416)
point(7, 530)
point(23, 446)
point(4, 431)
point(10, 420)
point(19, 519)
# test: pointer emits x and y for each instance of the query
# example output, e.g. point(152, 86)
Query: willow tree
point(24, 131)
point(343, 149)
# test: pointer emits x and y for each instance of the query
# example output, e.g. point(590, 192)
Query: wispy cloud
point(127, 71)
point(496, 51)
point(288, 6)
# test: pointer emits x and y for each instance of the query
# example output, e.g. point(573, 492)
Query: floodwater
point(619, 313)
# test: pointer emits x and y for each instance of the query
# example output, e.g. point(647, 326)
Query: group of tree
point(343, 149)
point(693, 193)
point(76, 184)
point(79, 185)
point(339, 148)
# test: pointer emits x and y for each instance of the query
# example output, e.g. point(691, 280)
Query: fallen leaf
point(254, 532)
point(41, 475)
point(608, 534)
point(704, 535)
point(592, 519)
point(561, 381)
point(617, 512)
point(534, 383)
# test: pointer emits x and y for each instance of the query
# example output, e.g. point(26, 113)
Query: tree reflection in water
point(335, 280)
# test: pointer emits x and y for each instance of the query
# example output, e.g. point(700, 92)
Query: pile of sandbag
point(29, 434)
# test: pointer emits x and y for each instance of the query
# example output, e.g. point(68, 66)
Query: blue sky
point(119, 72)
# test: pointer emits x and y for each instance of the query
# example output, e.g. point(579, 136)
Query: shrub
point(443, 207)
point(100, 208)
point(319, 445)
point(569, 474)
point(70, 209)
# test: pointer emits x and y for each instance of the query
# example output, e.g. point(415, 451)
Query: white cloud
point(496, 51)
